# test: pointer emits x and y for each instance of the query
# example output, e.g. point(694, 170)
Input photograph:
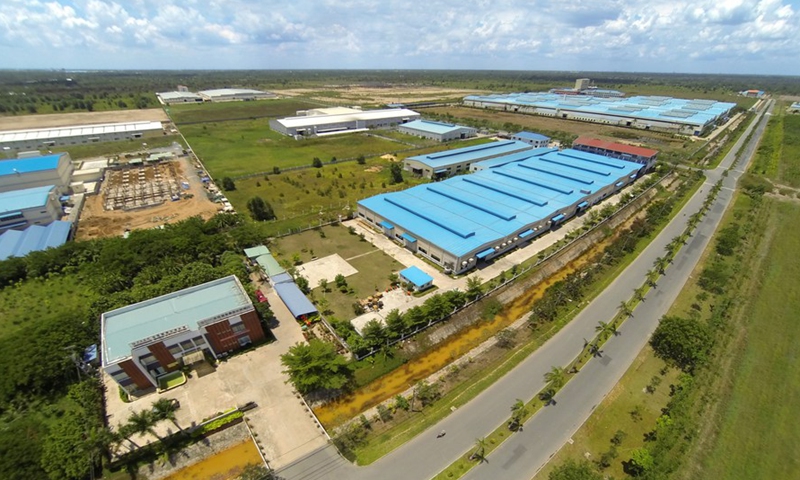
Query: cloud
point(700, 35)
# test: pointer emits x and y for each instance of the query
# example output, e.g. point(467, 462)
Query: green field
point(236, 148)
point(215, 112)
point(758, 434)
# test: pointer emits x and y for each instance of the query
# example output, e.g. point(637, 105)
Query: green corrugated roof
point(255, 252)
point(270, 265)
point(184, 308)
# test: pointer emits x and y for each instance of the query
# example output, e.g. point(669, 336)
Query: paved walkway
point(525, 453)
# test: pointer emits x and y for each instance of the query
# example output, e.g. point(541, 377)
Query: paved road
point(526, 452)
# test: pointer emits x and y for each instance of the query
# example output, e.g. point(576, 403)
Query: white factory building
point(439, 131)
point(234, 94)
point(329, 121)
point(44, 138)
point(172, 98)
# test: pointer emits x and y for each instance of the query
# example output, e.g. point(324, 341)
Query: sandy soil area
point(400, 93)
point(96, 222)
point(23, 122)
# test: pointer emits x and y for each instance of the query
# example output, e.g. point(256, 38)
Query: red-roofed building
point(631, 153)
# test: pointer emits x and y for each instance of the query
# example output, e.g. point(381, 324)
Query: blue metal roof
point(416, 276)
point(295, 301)
point(466, 212)
point(471, 154)
point(408, 237)
point(27, 165)
point(22, 199)
point(18, 243)
point(532, 136)
point(656, 108)
point(255, 252)
point(430, 126)
point(184, 308)
point(386, 225)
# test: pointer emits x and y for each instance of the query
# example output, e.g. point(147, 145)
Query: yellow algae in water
point(226, 465)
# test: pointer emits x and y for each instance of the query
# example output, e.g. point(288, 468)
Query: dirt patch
point(23, 122)
point(389, 157)
point(375, 169)
point(97, 222)
point(384, 95)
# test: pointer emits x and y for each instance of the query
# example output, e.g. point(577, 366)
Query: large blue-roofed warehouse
point(459, 160)
point(691, 117)
point(31, 172)
point(468, 219)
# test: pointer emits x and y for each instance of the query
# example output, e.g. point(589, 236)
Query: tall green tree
point(556, 377)
point(260, 209)
point(572, 470)
point(228, 184)
point(316, 366)
point(474, 287)
point(396, 173)
point(685, 342)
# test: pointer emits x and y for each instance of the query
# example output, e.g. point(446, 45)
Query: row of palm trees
point(144, 421)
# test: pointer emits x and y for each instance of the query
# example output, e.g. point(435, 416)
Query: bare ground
point(96, 222)
point(23, 122)
point(404, 93)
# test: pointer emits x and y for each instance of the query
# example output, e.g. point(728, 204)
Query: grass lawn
point(32, 300)
point(758, 434)
point(212, 112)
point(297, 197)
point(372, 264)
point(105, 149)
point(403, 137)
point(171, 380)
point(236, 148)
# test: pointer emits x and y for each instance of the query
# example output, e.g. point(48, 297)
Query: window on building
point(238, 328)
point(174, 349)
point(187, 345)
point(244, 340)
point(199, 341)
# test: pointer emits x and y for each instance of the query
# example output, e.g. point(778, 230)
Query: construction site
point(140, 186)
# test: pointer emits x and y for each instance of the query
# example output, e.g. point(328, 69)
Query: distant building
point(24, 173)
point(234, 94)
point(439, 131)
point(582, 84)
point(143, 341)
point(644, 156)
point(44, 138)
point(321, 122)
point(752, 93)
point(459, 160)
point(182, 88)
point(795, 107)
point(181, 96)
point(18, 243)
point(32, 206)
point(536, 140)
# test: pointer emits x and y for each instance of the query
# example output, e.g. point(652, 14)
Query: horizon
point(740, 37)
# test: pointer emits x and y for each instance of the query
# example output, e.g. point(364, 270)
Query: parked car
point(261, 297)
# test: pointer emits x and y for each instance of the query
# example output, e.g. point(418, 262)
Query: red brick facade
point(224, 339)
point(141, 380)
point(253, 325)
point(167, 361)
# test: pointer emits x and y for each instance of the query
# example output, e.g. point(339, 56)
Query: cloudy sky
point(698, 36)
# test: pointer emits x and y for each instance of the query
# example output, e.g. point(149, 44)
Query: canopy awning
point(408, 238)
point(583, 204)
point(440, 170)
point(526, 233)
point(485, 253)
point(193, 357)
point(386, 225)
point(618, 184)
point(558, 218)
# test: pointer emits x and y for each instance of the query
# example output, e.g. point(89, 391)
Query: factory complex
point(44, 138)
point(330, 121)
point(691, 117)
point(183, 95)
point(464, 221)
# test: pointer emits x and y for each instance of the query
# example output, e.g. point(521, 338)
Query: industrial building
point(44, 138)
point(320, 122)
point(691, 117)
point(143, 341)
point(535, 140)
point(631, 153)
point(31, 206)
point(171, 98)
point(234, 95)
point(18, 243)
point(466, 220)
point(451, 162)
point(283, 283)
point(439, 131)
point(24, 173)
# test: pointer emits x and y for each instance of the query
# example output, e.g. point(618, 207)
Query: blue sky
point(695, 36)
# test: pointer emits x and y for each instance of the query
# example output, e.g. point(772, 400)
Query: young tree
point(395, 326)
point(323, 285)
point(606, 329)
point(227, 184)
point(427, 393)
point(396, 173)
point(316, 366)
point(316, 162)
point(302, 284)
point(401, 402)
point(641, 461)
point(361, 160)
point(556, 377)
point(474, 287)
point(624, 309)
point(505, 337)
point(518, 411)
point(374, 335)
point(260, 209)
point(480, 450)
point(572, 470)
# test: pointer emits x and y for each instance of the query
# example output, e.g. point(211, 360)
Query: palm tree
point(638, 293)
point(652, 278)
point(660, 264)
point(556, 377)
point(625, 309)
point(606, 329)
point(518, 411)
point(164, 409)
point(480, 449)
point(142, 422)
point(125, 431)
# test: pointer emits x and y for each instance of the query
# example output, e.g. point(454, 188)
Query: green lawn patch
point(171, 380)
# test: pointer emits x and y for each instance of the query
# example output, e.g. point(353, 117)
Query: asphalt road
point(523, 454)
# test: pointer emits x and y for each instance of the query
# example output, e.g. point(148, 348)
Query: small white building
point(439, 131)
point(536, 140)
